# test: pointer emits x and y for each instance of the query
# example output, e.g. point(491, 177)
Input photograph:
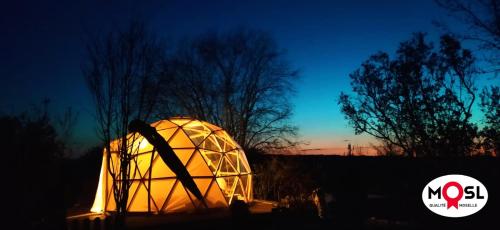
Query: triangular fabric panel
point(160, 169)
point(214, 197)
point(156, 123)
point(184, 154)
point(226, 168)
point(243, 160)
point(131, 192)
point(180, 121)
point(143, 162)
point(179, 200)
point(197, 166)
point(249, 188)
point(110, 204)
point(180, 140)
point(223, 134)
point(233, 159)
point(246, 182)
point(227, 185)
point(208, 145)
point(167, 133)
point(140, 145)
point(225, 144)
point(197, 132)
point(212, 158)
point(244, 167)
point(140, 200)
point(211, 127)
point(231, 183)
point(239, 191)
point(196, 136)
point(203, 184)
point(197, 204)
point(160, 189)
point(196, 126)
point(165, 125)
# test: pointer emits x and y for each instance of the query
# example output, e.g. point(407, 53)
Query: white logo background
point(453, 192)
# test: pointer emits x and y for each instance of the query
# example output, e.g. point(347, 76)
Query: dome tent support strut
point(167, 155)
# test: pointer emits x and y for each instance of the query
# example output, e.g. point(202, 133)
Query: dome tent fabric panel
point(214, 160)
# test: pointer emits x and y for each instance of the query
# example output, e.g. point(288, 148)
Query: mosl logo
point(455, 195)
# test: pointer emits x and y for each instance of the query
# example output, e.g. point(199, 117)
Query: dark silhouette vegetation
point(239, 80)
point(32, 154)
point(482, 22)
point(380, 191)
point(123, 76)
point(420, 102)
point(490, 133)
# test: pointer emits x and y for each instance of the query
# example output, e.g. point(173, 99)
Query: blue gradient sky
point(42, 48)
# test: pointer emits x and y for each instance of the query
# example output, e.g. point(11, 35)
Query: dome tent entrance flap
point(216, 163)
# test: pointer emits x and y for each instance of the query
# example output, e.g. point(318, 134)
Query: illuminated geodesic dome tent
point(214, 160)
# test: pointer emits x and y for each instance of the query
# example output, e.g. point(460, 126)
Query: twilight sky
point(42, 48)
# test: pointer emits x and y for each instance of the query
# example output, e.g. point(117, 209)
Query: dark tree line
point(420, 102)
point(32, 153)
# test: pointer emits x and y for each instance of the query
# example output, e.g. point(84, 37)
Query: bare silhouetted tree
point(65, 124)
point(490, 134)
point(238, 80)
point(122, 74)
point(281, 178)
point(482, 18)
point(419, 102)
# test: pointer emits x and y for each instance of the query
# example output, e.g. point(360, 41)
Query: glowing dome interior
point(214, 160)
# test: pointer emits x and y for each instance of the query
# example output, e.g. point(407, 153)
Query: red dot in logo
point(452, 202)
